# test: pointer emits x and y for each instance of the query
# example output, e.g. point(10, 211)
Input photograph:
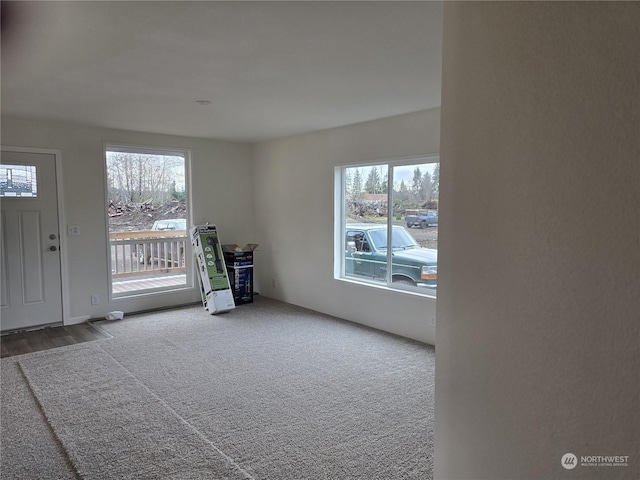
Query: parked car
point(170, 224)
point(366, 255)
point(420, 218)
point(156, 250)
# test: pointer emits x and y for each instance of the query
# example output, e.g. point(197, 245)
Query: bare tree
point(139, 177)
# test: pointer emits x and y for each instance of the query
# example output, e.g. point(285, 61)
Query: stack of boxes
point(239, 262)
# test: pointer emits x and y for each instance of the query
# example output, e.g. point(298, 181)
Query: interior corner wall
point(539, 262)
point(220, 190)
point(294, 206)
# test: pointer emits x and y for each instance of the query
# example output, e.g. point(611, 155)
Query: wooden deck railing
point(147, 252)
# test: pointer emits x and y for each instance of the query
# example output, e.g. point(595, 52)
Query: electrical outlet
point(73, 230)
point(95, 299)
point(273, 283)
point(432, 320)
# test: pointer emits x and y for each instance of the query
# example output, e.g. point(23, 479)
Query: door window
point(18, 181)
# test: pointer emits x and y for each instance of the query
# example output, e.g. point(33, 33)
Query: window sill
point(407, 290)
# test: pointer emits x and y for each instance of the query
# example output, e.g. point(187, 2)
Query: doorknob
point(53, 248)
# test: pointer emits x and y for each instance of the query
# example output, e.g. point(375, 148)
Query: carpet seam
point(182, 419)
point(68, 460)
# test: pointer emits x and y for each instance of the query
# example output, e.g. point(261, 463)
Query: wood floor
point(49, 337)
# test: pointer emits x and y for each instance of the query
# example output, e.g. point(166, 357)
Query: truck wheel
point(424, 224)
point(408, 225)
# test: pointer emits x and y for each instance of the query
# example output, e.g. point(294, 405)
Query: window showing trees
point(148, 220)
point(388, 232)
point(134, 177)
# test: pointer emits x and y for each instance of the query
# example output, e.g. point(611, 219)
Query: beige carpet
point(267, 391)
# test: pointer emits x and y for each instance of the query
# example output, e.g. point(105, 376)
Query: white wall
point(539, 262)
point(221, 190)
point(294, 205)
point(285, 186)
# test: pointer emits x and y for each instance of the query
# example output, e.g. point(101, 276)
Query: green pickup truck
point(366, 256)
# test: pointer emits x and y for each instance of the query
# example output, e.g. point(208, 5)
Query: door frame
point(62, 234)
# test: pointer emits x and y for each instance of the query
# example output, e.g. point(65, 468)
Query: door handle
point(53, 248)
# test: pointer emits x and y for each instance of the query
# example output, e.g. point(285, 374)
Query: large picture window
point(387, 224)
point(147, 208)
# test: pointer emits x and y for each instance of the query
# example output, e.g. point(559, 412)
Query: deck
point(121, 285)
point(148, 260)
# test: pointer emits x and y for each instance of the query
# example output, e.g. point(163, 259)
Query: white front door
point(31, 276)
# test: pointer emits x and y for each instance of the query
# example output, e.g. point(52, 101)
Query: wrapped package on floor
point(212, 272)
point(239, 263)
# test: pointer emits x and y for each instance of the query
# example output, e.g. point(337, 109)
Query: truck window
point(359, 238)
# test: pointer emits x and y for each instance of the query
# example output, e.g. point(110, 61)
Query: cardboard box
point(235, 255)
point(239, 262)
point(232, 247)
point(214, 281)
point(241, 280)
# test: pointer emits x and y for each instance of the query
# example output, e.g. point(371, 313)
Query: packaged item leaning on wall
point(214, 282)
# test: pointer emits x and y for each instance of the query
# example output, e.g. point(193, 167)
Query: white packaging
point(216, 292)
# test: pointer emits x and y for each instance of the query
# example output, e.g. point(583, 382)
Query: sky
point(403, 172)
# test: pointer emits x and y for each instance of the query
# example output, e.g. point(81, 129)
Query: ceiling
point(268, 69)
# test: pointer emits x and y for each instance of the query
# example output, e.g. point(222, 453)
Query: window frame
point(34, 178)
point(340, 216)
point(189, 273)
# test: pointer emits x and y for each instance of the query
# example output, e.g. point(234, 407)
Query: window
point(387, 224)
point(18, 181)
point(147, 208)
